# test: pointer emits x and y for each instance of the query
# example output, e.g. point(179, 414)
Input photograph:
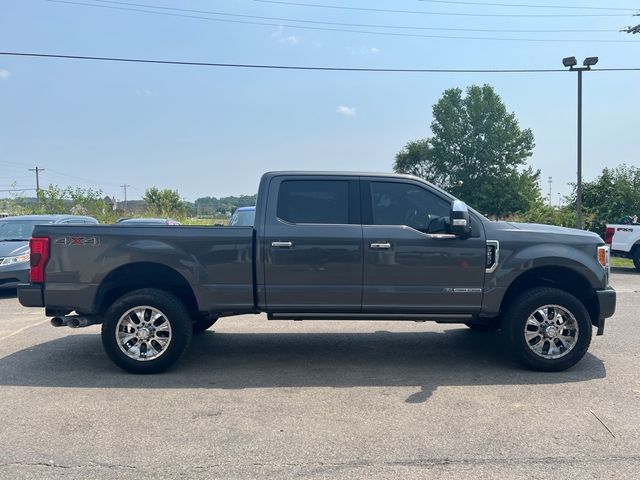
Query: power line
point(457, 14)
point(17, 190)
point(311, 68)
point(318, 22)
point(368, 32)
point(529, 5)
point(82, 179)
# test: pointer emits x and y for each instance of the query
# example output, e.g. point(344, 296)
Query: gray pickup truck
point(348, 246)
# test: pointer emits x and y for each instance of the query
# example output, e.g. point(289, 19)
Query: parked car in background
point(147, 221)
point(243, 217)
point(624, 239)
point(15, 233)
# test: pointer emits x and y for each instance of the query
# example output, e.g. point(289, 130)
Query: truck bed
point(217, 262)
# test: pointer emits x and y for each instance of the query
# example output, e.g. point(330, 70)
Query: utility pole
point(550, 182)
point(571, 62)
point(37, 169)
point(124, 187)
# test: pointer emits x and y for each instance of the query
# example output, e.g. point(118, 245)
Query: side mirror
point(459, 219)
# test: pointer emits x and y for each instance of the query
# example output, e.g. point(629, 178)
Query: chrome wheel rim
point(551, 331)
point(143, 333)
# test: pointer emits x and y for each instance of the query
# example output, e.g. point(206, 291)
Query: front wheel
point(548, 329)
point(636, 258)
point(146, 331)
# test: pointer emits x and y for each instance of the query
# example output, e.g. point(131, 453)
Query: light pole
point(571, 62)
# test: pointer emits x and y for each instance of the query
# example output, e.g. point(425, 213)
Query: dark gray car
point(15, 233)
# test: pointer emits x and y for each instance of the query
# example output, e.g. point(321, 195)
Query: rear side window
point(314, 201)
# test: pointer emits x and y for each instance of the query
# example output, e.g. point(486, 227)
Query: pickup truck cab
point(352, 246)
point(624, 240)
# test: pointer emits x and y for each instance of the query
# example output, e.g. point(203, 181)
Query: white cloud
point(346, 111)
point(4, 74)
point(363, 51)
point(290, 40)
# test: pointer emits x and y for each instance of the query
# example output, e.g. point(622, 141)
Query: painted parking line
point(20, 330)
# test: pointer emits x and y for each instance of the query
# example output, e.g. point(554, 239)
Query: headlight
point(17, 259)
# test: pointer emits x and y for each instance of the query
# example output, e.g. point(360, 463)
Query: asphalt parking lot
point(259, 399)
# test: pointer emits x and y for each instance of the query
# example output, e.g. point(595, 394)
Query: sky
point(213, 131)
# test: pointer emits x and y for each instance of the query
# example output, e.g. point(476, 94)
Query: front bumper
point(11, 276)
point(606, 306)
point(30, 295)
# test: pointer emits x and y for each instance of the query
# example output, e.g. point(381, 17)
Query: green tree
point(564, 216)
point(52, 200)
point(67, 200)
point(478, 152)
point(166, 203)
point(224, 205)
point(612, 195)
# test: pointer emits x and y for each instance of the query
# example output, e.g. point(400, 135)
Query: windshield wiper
point(14, 239)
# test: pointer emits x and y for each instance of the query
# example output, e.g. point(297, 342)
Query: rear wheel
point(547, 329)
point(146, 331)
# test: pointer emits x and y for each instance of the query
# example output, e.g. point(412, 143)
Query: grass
point(621, 262)
point(204, 221)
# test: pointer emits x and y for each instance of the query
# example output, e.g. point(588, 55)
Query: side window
point(397, 203)
point(314, 201)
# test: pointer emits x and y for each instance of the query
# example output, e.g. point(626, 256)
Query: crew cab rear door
point(313, 247)
point(409, 265)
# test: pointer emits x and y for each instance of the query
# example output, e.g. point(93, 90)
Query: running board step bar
point(411, 317)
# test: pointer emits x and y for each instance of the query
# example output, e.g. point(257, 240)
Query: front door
point(313, 245)
point(410, 264)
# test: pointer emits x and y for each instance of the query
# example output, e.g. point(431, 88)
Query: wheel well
point(558, 277)
point(144, 275)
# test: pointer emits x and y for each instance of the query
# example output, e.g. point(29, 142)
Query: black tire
point(524, 305)
point(636, 257)
point(174, 312)
point(201, 324)
point(492, 325)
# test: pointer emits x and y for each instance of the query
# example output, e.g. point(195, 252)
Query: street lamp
point(571, 62)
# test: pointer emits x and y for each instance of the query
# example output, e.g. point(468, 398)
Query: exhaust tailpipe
point(59, 322)
point(74, 321)
point(81, 322)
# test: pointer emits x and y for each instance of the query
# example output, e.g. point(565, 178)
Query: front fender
point(515, 262)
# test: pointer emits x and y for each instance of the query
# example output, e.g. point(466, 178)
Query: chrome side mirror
point(459, 219)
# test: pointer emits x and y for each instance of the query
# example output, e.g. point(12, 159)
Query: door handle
point(282, 244)
point(380, 246)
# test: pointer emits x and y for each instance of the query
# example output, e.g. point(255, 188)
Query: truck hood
point(561, 233)
point(9, 249)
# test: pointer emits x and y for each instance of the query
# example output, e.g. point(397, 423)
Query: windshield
point(243, 218)
point(18, 230)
